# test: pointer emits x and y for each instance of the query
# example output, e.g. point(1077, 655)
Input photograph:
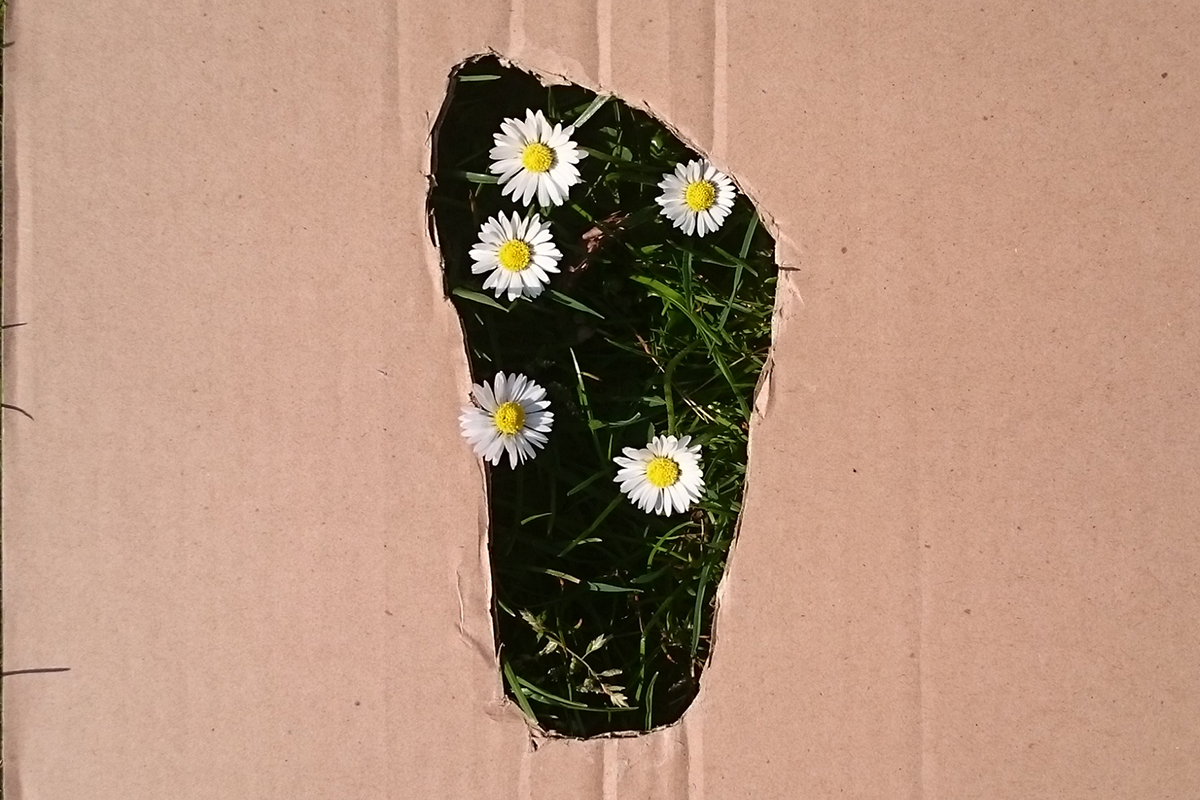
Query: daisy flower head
point(509, 416)
point(534, 158)
point(664, 477)
point(697, 197)
point(518, 252)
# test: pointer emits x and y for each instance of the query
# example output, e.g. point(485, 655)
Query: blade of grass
point(699, 609)
point(740, 265)
point(658, 545)
point(649, 577)
point(645, 179)
point(676, 299)
point(736, 260)
point(590, 111)
point(571, 302)
point(668, 379)
point(649, 703)
point(746, 240)
point(553, 516)
point(541, 695)
point(583, 400)
point(737, 283)
point(586, 482)
point(686, 274)
point(514, 685)
point(616, 501)
point(581, 212)
point(603, 156)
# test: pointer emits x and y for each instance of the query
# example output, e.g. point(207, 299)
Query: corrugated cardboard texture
point(244, 520)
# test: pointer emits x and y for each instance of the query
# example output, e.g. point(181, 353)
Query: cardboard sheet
point(242, 522)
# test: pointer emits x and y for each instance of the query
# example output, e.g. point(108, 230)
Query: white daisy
point(531, 157)
point(509, 416)
point(664, 477)
point(519, 253)
point(697, 197)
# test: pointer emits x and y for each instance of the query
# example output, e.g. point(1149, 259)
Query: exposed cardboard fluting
point(604, 610)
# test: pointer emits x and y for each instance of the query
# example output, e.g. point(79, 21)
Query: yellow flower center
point(537, 157)
point(662, 472)
point(700, 195)
point(509, 418)
point(514, 255)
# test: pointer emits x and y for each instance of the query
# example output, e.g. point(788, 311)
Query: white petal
point(529, 185)
point(483, 394)
point(494, 281)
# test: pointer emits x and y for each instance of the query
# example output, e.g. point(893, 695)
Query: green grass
point(603, 612)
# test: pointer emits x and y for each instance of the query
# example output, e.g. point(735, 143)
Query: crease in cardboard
point(610, 769)
point(604, 21)
point(668, 82)
point(488, 654)
point(693, 744)
point(925, 744)
point(525, 775)
point(720, 78)
point(764, 394)
point(18, 209)
point(516, 26)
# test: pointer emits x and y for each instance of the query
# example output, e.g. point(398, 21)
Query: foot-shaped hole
point(616, 293)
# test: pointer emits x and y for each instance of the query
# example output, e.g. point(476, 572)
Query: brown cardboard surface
point(243, 519)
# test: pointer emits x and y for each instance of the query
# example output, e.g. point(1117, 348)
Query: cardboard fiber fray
point(238, 517)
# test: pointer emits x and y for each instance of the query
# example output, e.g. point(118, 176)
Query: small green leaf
point(473, 177)
point(596, 644)
point(476, 297)
point(596, 586)
point(555, 573)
